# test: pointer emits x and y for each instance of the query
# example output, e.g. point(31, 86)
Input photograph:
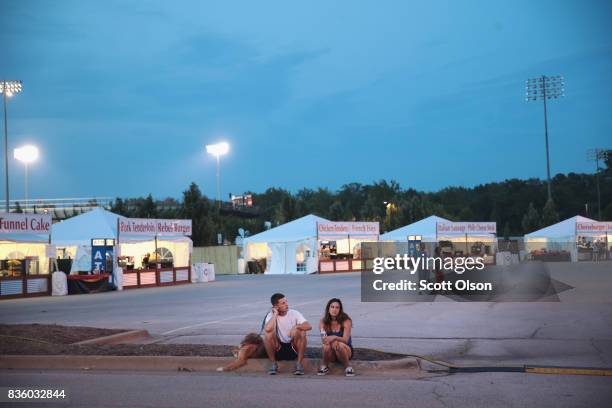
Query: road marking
point(228, 318)
point(569, 371)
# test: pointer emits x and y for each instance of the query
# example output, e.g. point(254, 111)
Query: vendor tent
point(556, 238)
point(288, 248)
point(74, 235)
point(562, 231)
point(426, 228)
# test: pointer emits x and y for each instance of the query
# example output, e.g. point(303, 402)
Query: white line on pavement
point(227, 318)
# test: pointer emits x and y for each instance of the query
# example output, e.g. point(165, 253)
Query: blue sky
point(121, 97)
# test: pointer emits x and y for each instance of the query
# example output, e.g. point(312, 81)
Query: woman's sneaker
point(349, 372)
point(323, 370)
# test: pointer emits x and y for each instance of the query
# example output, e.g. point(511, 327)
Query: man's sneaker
point(323, 370)
point(273, 369)
point(299, 369)
point(349, 372)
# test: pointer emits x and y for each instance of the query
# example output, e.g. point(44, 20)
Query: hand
point(329, 340)
point(274, 312)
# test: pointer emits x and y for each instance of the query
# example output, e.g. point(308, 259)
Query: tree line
point(518, 206)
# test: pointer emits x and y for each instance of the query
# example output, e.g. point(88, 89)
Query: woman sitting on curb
point(335, 329)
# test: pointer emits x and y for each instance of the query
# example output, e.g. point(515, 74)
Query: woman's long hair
point(342, 317)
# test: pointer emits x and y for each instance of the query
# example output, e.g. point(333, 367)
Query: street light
point(8, 89)
point(26, 154)
point(217, 150)
point(543, 88)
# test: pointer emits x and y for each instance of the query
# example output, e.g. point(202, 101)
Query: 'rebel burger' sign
point(25, 223)
point(149, 226)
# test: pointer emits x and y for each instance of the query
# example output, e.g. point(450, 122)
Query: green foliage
point(531, 220)
point(549, 214)
point(513, 204)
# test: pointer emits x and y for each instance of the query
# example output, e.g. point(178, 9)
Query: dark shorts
point(286, 352)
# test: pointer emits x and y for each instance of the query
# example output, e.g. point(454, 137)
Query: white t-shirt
point(285, 323)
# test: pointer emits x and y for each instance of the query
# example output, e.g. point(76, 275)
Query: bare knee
point(270, 339)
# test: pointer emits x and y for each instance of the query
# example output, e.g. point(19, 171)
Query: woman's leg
point(328, 355)
point(342, 352)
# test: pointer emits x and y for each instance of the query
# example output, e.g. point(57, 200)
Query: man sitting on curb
point(285, 334)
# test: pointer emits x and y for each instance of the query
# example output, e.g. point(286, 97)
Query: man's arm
point(305, 326)
point(270, 326)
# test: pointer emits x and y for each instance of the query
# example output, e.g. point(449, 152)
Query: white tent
point(74, 235)
point(563, 230)
point(288, 248)
point(426, 228)
point(557, 237)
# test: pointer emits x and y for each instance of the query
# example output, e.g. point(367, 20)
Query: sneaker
point(324, 370)
point(299, 369)
point(349, 372)
point(273, 369)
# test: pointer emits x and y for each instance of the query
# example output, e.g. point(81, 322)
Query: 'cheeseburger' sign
point(25, 224)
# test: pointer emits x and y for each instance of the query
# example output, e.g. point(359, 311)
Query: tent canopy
point(425, 227)
point(562, 229)
point(97, 223)
point(296, 230)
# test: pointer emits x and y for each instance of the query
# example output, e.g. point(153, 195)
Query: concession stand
point(24, 255)
point(339, 245)
point(467, 239)
point(290, 248)
point(594, 240)
point(100, 250)
point(397, 241)
point(154, 252)
point(310, 244)
point(574, 239)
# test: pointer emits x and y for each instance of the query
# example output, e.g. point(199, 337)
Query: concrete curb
point(125, 337)
point(408, 366)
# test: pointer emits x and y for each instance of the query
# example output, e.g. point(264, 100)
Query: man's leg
point(299, 344)
point(271, 345)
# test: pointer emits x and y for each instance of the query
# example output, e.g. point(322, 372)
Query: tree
point(549, 214)
point(287, 210)
point(119, 207)
point(531, 220)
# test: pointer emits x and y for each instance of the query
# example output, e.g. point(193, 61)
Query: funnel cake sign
point(25, 224)
point(149, 227)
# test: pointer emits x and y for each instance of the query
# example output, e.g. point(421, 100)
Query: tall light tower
point(8, 89)
point(217, 150)
point(596, 155)
point(543, 88)
point(26, 154)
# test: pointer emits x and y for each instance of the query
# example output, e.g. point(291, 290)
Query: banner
point(152, 227)
point(25, 223)
point(604, 226)
point(325, 229)
point(466, 228)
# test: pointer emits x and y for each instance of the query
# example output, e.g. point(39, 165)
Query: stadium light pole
point(596, 155)
point(26, 154)
point(543, 88)
point(218, 150)
point(8, 89)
